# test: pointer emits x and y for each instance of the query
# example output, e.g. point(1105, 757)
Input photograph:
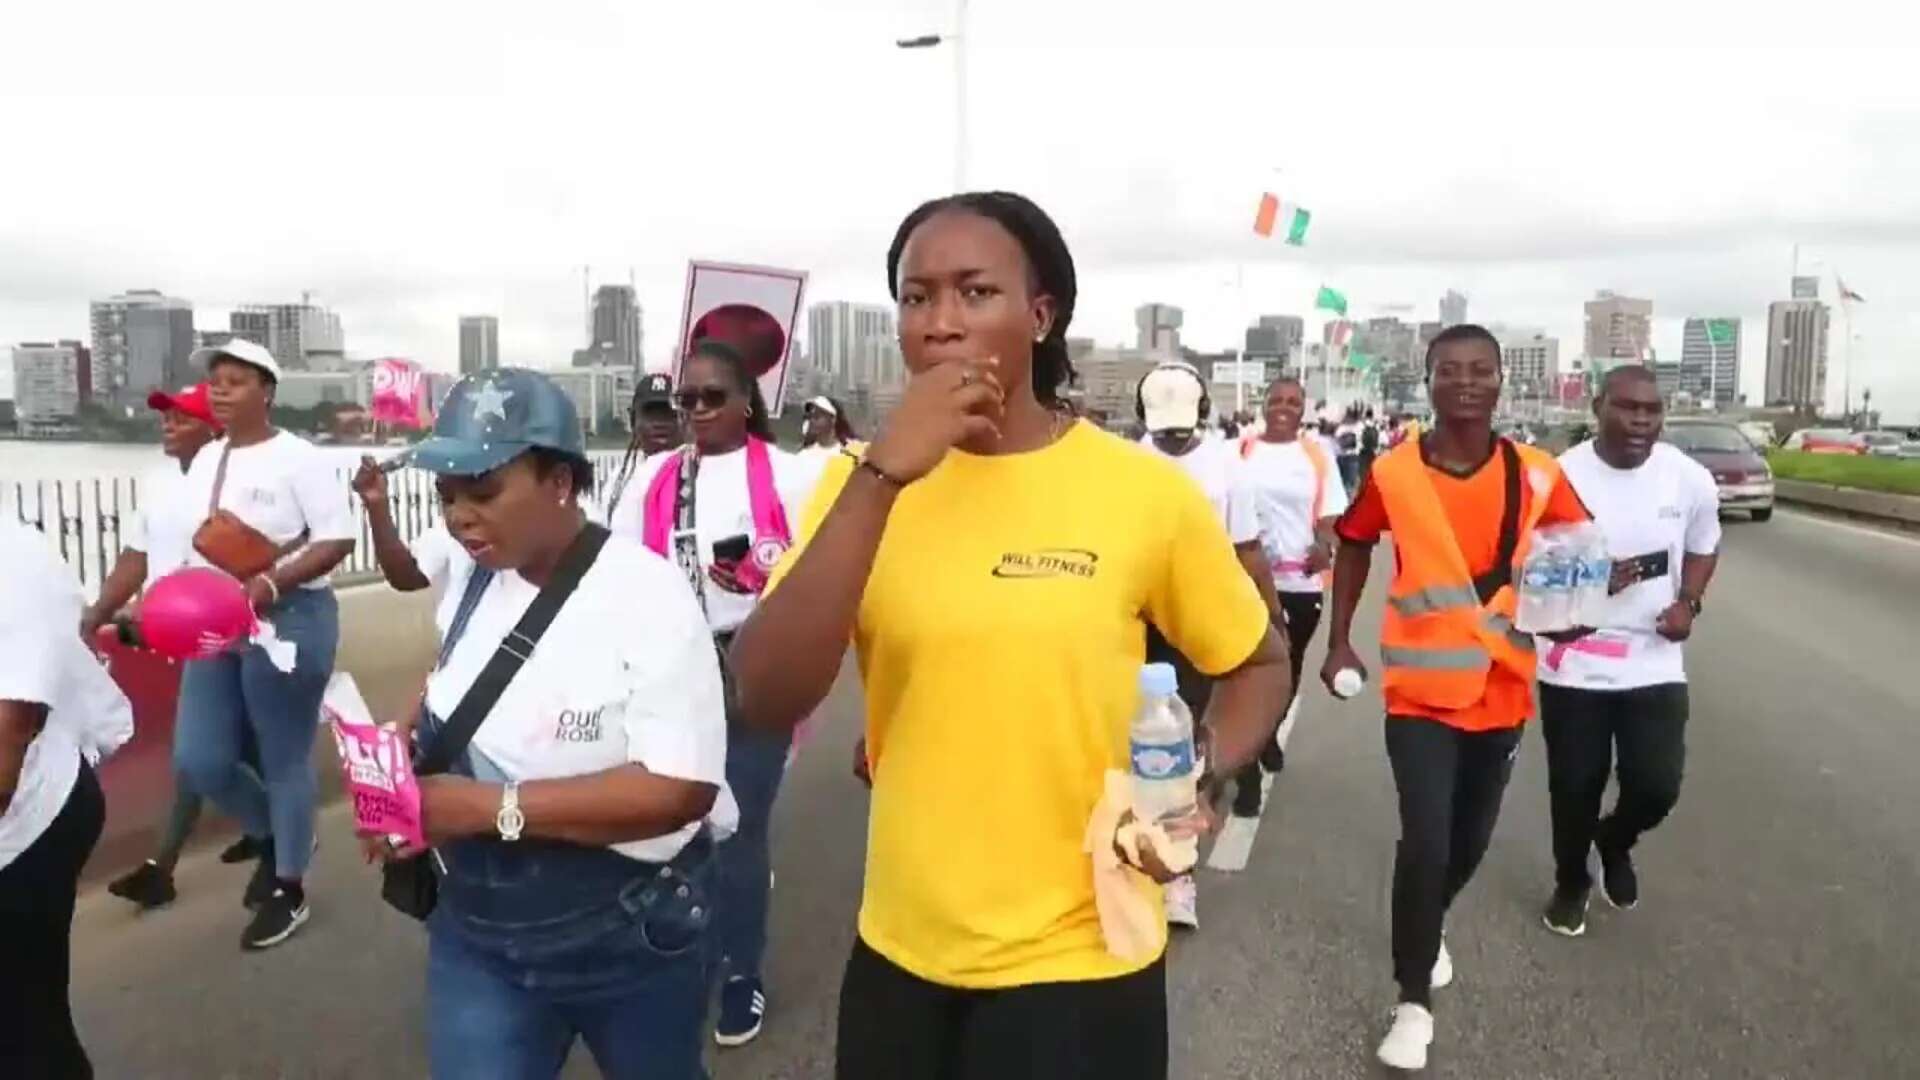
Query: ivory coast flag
point(1291, 218)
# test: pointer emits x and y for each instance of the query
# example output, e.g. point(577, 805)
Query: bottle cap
point(1159, 679)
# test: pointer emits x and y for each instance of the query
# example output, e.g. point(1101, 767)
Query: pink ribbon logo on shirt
point(1610, 648)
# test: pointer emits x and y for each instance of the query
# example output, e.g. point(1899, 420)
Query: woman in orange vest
point(1457, 677)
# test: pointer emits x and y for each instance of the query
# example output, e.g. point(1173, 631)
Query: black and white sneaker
point(275, 920)
point(1566, 913)
point(1619, 882)
point(263, 882)
point(148, 886)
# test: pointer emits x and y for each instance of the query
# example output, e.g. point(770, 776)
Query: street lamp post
point(958, 40)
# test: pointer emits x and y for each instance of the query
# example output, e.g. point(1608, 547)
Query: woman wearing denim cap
point(573, 894)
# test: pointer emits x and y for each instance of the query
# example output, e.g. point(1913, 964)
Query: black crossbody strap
point(514, 650)
point(1502, 573)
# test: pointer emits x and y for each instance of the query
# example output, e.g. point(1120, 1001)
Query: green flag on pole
point(1330, 300)
point(1720, 331)
point(1363, 361)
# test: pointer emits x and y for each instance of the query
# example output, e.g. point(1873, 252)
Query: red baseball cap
point(192, 401)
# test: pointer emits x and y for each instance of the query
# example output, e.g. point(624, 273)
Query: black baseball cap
point(655, 389)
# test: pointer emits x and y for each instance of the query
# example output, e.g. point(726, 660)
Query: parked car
point(1883, 443)
point(1745, 481)
point(1759, 432)
point(1825, 441)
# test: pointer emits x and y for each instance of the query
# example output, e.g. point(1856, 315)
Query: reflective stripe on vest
point(1434, 599)
point(1468, 658)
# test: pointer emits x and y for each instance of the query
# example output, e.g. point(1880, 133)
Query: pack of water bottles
point(1563, 582)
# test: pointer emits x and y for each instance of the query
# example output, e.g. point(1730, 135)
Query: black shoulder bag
point(410, 886)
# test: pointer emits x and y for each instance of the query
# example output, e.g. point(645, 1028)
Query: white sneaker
point(1405, 1046)
point(1442, 968)
point(1183, 899)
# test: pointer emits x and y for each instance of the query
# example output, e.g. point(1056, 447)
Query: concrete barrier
point(1883, 506)
point(387, 643)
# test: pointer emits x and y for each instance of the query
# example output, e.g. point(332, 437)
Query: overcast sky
point(411, 161)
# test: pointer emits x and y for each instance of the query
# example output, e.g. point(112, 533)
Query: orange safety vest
point(1439, 641)
point(1316, 457)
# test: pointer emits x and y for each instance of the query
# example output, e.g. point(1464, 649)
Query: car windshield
point(1707, 437)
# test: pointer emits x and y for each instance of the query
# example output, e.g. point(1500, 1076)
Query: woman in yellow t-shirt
point(994, 563)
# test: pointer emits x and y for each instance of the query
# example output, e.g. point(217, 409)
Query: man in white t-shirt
point(1173, 404)
point(1623, 688)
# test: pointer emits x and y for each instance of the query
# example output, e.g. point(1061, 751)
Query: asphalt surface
point(1774, 936)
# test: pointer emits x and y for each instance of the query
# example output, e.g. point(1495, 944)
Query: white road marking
point(1844, 526)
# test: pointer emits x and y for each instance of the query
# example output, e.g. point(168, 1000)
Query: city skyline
point(388, 221)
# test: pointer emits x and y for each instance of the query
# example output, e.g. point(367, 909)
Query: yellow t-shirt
point(1000, 640)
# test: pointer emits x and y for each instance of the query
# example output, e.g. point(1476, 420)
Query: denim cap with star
point(492, 417)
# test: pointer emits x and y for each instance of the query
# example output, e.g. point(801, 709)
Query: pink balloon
point(195, 614)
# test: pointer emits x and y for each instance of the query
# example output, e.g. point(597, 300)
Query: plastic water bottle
point(1596, 572)
point(1161, 747)
point(1534, 614)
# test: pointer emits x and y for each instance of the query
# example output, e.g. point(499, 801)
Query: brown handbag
point(231, 544)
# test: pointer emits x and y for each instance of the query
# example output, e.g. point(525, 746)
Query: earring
point(1038, 338)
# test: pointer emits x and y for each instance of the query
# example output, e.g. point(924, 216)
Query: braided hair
point(1048, 258)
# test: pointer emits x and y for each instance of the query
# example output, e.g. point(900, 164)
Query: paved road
point(1774, 939)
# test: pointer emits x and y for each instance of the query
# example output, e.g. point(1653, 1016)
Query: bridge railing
point(87, 519)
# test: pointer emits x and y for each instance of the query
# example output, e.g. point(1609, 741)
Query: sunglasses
point(707, 397)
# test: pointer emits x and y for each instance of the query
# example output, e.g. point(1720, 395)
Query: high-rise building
point(51, 380)
point(1533, 362)
point(1710, 360)
point(1619, 328)
point(479, 343)
point(142, 340)
point(854, 346)
point(1273, 338)
point(1797, 353)
point(302, 337)
point(1453, 309)
point(617, 340)
point(1159, 328)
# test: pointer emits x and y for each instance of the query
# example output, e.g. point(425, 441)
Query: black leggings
point(1302, 612)
point(37, 1037)
point(1450, 784)
point(895, 1025)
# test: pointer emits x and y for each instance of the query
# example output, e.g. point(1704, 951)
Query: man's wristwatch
point(510, 820)
point(1692, 602)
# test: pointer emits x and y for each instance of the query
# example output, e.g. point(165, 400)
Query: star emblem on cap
point(490, 400)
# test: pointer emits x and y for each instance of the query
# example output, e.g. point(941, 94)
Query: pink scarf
point(771, 534)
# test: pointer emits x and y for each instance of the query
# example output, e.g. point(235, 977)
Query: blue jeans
point(756, 761)
point(222, 698)
point(536, 943)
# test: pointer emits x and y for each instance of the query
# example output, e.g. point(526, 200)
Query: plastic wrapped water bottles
point(1563, 582)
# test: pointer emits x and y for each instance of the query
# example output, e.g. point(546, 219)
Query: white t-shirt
point(164, 526)
point(281, 487)
point(721, 510)
point(439, 558)
point(1347, 431)
point(42, 661)
point(813, 460)
point(1669, 504)
point(1215, 466)
point(627, 672)
point(1282, 479)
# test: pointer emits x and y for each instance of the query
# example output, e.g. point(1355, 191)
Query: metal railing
point(87, 519)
